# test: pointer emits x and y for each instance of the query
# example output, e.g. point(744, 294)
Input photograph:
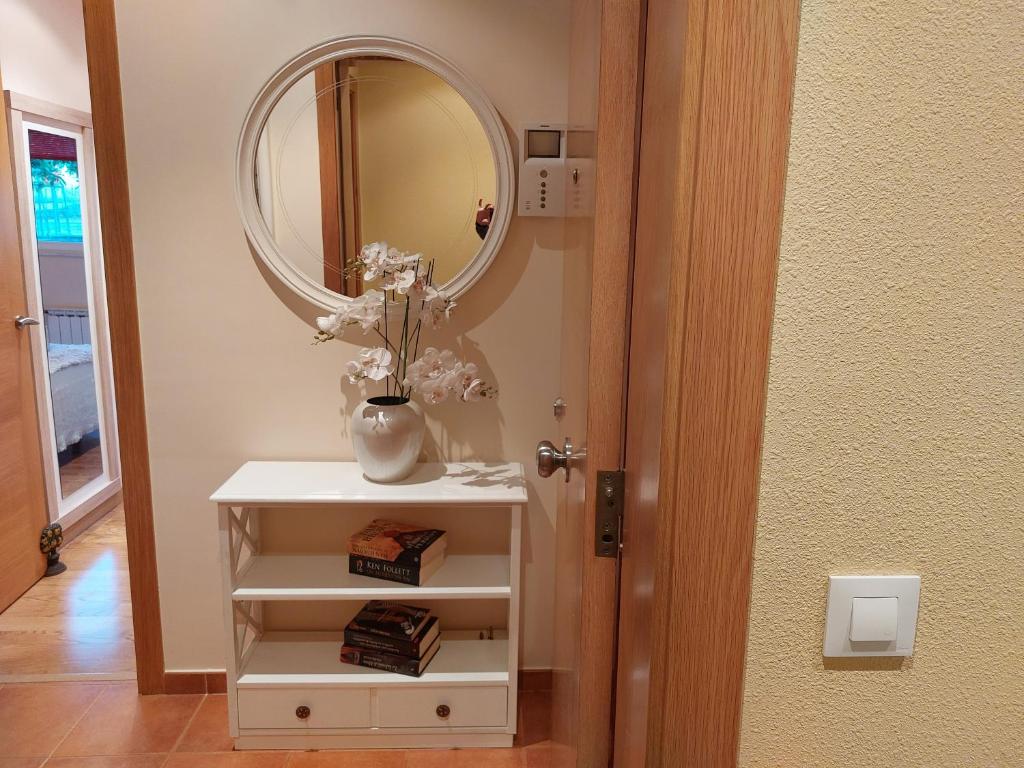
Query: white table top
point(265, 483)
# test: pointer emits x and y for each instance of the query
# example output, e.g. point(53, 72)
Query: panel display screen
point(543, 143)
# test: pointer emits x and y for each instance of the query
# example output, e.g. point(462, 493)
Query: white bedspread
point(72, 392)
point(61, 356)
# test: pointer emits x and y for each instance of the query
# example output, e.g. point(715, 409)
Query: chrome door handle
point(550, 459)
point(21, 321)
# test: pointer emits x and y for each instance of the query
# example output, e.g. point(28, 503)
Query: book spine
point(383, 569)
point(381, 643)
point(383, 661)
point(365, 549)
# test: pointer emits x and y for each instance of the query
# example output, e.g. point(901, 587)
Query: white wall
point(229, 371)
point(42, 51)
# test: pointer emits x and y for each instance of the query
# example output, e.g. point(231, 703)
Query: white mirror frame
point(256, 228)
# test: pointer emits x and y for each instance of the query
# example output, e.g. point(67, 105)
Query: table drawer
point(327, 708)
point(451, 707)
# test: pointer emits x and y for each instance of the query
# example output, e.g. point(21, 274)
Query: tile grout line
point(181, 736)
point(74, 725)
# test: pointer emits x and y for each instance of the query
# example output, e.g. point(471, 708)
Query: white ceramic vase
point(387, 434)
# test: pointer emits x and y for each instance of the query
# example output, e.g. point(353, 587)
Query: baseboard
point(73, 530)
point(195, 682)
point(534, 679)
point(217, 682)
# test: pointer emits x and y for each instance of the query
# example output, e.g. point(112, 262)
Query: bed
point(72, 392)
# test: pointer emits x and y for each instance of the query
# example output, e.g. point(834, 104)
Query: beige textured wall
point(895, 406)
point(229, 370)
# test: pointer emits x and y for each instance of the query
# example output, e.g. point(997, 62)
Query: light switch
point(874, 619)
point(871, 615)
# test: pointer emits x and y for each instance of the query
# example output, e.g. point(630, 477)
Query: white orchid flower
point(433, 391)
point(436, 307)
point(400, 259)
point(437, 374)
point(332, 324)
point(373, 363)
point(420, 290)
point(474, 391)
point(399, 281)
point(432, 366)
point(367, 309)
point(375, 259)
point(372, 253)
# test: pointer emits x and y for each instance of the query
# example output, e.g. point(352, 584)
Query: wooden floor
point(79, 622)
point(97, 725)
point(83, 467)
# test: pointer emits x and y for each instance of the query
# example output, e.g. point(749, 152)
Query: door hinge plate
point(611, 495)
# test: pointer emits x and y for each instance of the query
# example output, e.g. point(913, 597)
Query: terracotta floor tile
point(21, 762)
point(466, 758)
point(227, 760)
point(121, 722)
point(37, 716)
point(379, 758)
point(208, 731)
point(540, 755)
point(109, 761)
point(430, 758)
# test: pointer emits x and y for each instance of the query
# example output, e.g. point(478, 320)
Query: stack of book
point(409, 554)
point(392, 637)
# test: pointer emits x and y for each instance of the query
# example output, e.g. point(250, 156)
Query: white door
point(62, 252)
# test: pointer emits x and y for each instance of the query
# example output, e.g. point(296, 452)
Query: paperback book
point(413, 575)
point(399, 552)
point(398, 543)
point(413, 647)
point(389, 662)
point(392, 620)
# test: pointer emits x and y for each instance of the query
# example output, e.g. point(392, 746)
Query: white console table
point(287, 688)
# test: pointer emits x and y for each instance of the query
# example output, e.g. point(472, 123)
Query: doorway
point(76, 621)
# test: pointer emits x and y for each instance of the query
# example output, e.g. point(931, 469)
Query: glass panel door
point(60, 227)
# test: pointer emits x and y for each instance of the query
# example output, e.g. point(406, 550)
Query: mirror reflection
point(374, 148)
point(57, 208)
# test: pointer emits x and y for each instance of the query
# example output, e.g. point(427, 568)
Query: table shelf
point(326, 577)
point(296, 483)
point(290, 659)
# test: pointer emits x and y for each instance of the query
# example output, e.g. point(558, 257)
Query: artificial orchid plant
point(406, 282)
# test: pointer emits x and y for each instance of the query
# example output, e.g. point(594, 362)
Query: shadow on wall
point(868, 663)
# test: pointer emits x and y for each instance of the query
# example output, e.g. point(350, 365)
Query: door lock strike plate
point(610, 498)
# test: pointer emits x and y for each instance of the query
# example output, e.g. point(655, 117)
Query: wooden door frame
point(115, 216)
point(619, 88)
point(733, 83)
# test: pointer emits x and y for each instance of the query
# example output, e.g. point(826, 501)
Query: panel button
point(874, 619)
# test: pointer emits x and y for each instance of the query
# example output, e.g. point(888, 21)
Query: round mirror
point(366, 140)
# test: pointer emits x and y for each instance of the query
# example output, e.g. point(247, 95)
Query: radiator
point(67, 326)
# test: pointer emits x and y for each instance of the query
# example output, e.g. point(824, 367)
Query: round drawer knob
point(302, 712)
point(443, 711)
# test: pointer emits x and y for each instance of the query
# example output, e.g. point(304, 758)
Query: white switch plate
point(875, 619)
point(841, 592)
